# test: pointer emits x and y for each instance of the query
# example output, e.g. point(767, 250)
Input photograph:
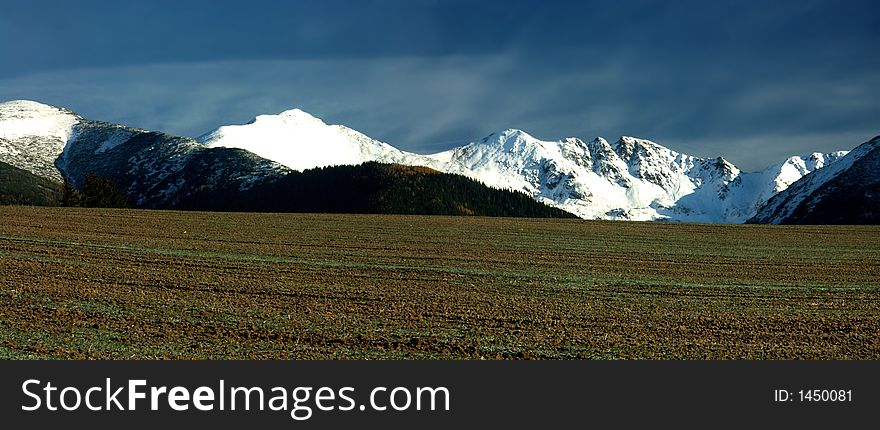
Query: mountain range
point(846, 192)
point(630, 179)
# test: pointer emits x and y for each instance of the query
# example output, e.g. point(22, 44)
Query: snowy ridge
point(776, 178)
point(634, 179)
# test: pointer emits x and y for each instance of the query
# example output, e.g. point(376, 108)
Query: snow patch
point(300, 141)
point(115, 138)
point(23, 118)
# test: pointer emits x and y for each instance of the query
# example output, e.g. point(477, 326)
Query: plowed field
point(119, 284)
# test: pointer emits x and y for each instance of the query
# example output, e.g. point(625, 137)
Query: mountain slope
point(846, 192)
point(375, 188)
point(33, 136)
point(153, 169)
point(21, 187)
point(156, 170)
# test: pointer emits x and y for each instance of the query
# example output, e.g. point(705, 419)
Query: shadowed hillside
point(375, 188)
point(20, 187)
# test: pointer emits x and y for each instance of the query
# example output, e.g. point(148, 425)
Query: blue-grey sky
point(753, 81)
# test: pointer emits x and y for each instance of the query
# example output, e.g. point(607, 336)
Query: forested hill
point(20, 187)
point(375, 188)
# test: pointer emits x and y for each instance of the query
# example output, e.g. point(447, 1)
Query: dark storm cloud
point(753, 81)
point(92, 33)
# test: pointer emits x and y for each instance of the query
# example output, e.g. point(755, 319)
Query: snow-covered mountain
point(632, 178)
point(153, 169)
point(33, 136)
point(300, 141)
point(845, 192)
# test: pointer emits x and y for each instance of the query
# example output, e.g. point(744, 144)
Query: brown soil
point(97, 283)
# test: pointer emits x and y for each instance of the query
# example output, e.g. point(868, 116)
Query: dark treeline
point(375, 188)
point(97, 192)
point(367, 188)
point(20, 187)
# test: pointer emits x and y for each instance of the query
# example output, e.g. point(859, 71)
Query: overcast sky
point(754, 81)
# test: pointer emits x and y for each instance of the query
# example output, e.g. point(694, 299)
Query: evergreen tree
point(70, 196)
point(100, 192)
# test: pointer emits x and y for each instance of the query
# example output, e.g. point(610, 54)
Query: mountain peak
point(23, 104)
point(33, 135)
point(20, 118)
point(21, 109)
point(515, 132)
point(298, 114)
point(290, 118)
point(500, 137)
point(509, 141)
point(636, 141)
point(299, 140)
point(626, 145)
